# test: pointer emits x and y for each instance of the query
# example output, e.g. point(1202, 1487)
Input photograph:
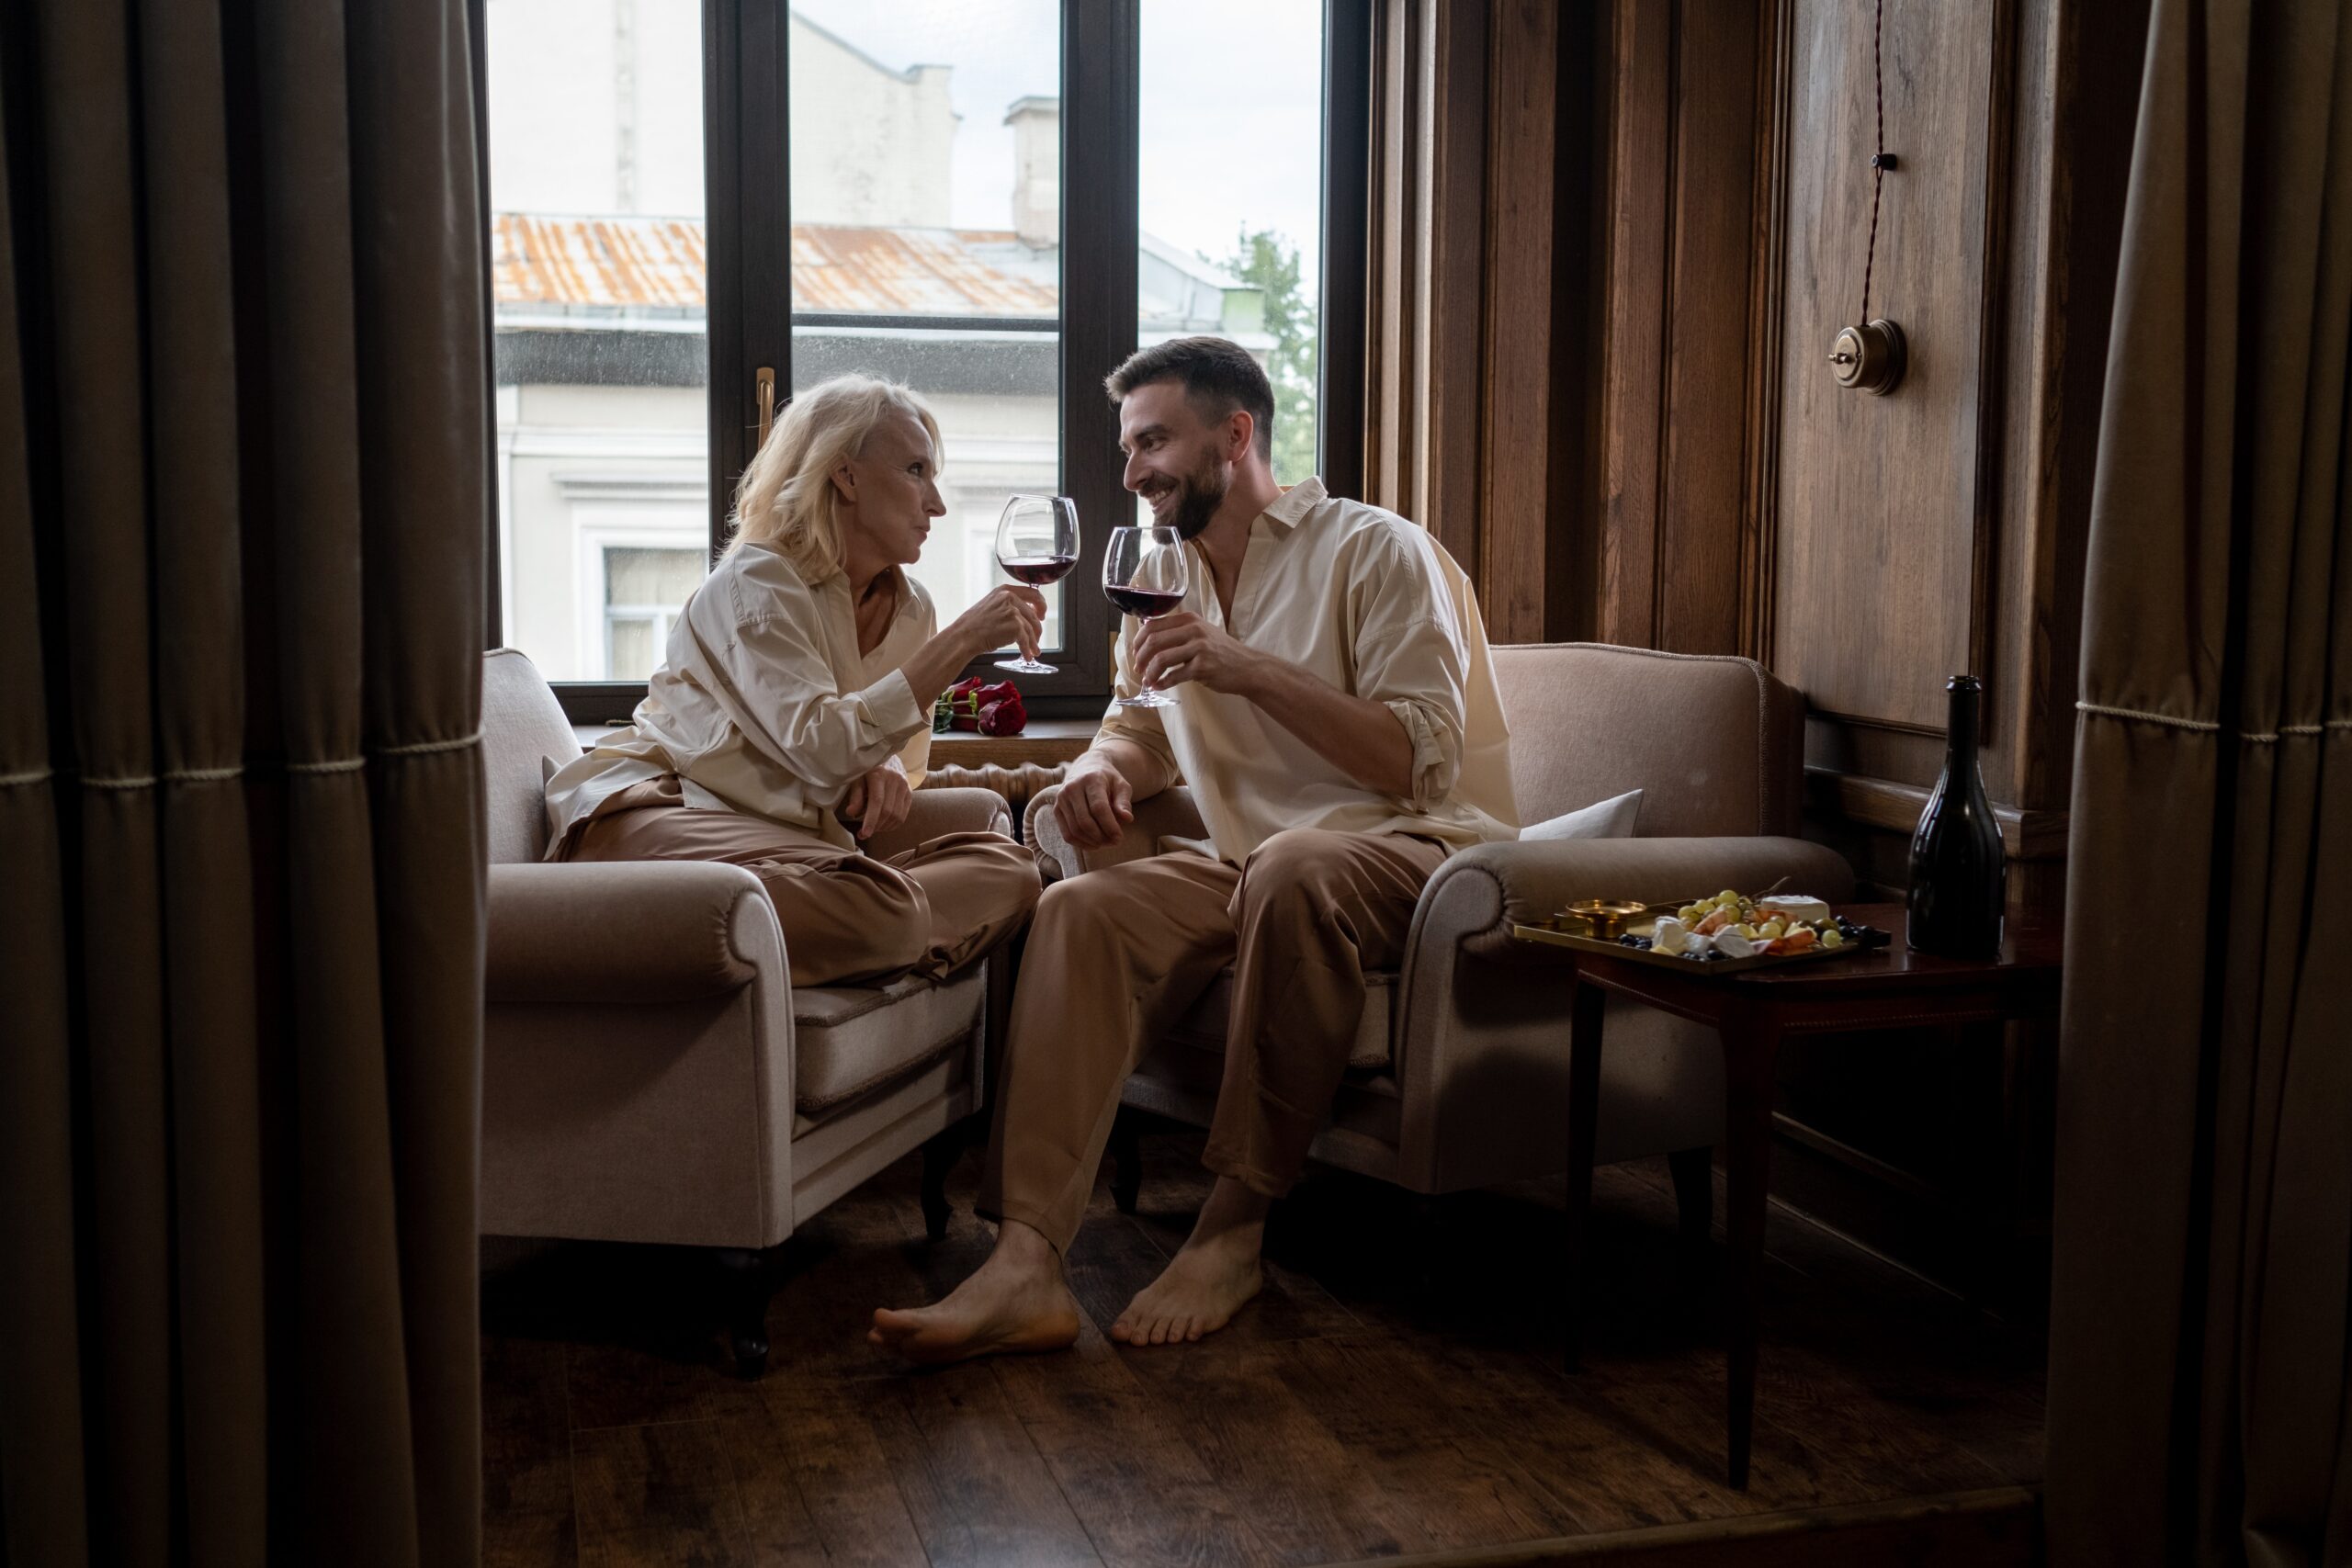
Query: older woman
point(791, 716)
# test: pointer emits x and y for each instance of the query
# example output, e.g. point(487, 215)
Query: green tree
point(1263, 260)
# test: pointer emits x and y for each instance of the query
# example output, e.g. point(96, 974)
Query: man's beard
point(1198, 495)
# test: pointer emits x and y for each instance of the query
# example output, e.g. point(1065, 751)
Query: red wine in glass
point(1036, 543)
point(1143, 603)
point(1144, 575)
point(1038, 570)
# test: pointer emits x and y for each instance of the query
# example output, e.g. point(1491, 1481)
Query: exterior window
point(642, 590)
point(602, 350)
point(1231, 186)
point(926, 244)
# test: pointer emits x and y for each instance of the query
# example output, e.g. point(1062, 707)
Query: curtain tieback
point(2207, 727)
point(216, 775)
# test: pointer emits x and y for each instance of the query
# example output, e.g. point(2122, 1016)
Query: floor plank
point(528, 1510)
point(979, 1493)
point(812, 1473)
point(1146, 1499)
point(658, 1497)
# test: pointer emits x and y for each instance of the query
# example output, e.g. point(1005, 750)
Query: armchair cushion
point(853, 1038)
point(627, 931)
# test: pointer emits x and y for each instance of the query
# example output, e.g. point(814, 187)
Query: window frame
point(746, 106)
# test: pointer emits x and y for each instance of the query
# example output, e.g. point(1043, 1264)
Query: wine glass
point(1144, 574)
point(1036, 543)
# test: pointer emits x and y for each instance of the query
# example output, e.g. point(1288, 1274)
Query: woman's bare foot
point(1014, 1302)
point(1212, 1277)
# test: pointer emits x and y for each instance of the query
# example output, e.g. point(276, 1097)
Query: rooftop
point(647, 274)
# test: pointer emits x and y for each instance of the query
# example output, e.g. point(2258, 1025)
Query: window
point(602, 352)
point(925, 153)
point(1230, 160)
point(991, 200)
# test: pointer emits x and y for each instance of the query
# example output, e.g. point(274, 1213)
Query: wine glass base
point(1149, 700)
point(1026, 667)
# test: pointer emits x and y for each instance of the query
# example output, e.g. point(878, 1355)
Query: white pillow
point(1610, 819)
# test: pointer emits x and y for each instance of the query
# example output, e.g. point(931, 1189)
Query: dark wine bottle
point(1959, 874)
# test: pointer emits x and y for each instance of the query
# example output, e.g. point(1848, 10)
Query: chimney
point(1037, 171)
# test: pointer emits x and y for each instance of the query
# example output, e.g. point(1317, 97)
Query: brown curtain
point(2199, 1374)
point(242, 501)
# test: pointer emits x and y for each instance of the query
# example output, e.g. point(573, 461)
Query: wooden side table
point(1753, 1012)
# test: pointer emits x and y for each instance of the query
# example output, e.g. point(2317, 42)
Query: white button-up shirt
point(1370, 603)
point(764, 703)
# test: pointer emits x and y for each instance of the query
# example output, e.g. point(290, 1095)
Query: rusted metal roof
point(599, 264)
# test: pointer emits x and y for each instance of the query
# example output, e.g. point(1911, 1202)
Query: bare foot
point(1013, 1303)
point(1212, 1277)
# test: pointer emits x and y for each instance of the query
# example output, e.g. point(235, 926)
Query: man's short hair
point(1219, 376)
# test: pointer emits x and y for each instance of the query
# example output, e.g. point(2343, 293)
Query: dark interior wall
point(1728, 497)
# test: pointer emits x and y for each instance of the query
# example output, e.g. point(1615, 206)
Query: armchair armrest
point(939, 812)
point(1169, 814)
point(627, 931)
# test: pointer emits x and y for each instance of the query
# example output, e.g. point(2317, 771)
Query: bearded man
point(1337, 721)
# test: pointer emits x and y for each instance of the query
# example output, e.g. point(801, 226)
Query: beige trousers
point(1116, 956)
point(847, 918)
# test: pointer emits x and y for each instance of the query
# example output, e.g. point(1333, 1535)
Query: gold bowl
point(1603, 918)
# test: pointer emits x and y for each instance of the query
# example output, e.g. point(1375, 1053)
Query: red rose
point(1004, 717)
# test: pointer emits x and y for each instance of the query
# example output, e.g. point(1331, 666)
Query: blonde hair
point(786, 497)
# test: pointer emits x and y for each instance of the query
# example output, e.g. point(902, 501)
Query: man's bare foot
point(1212, 1277)
point(1014, 1302)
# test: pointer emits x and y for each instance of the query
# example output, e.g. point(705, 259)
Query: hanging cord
point(1880, 162)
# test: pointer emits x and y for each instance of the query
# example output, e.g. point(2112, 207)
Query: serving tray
point(1551, 934)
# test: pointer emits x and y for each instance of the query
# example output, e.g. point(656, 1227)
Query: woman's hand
point(1009, 612)
point(877, 802)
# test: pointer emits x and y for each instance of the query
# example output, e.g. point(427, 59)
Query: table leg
point(1584, 1091)
point(1750, 1046)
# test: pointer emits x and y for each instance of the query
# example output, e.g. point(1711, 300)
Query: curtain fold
point(243, 491)
point(2201, 1387)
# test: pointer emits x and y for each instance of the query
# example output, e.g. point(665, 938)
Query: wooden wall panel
point(1878, 591)
point(1518, 548)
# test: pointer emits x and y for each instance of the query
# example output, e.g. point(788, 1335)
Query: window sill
point(1045, 742)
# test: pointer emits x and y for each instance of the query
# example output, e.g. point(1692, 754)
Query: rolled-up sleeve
point(1409, 659)
point(793, 710)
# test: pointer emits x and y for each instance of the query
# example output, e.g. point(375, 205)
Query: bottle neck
point(1961, 726)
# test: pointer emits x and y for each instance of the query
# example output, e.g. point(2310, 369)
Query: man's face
point(1176, 460)
point(894, 489)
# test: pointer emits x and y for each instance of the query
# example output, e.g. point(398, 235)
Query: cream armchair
point(1459, 1074)
point(649, 1073)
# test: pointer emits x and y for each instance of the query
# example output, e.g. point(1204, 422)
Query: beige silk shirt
point(763, 703)
point(1372, 604)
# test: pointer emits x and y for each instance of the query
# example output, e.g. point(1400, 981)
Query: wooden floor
point(1356, 1410)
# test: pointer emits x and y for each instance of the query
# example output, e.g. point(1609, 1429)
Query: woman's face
point(889, 492)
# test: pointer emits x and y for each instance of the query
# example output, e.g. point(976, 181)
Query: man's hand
point(877, 802)
point(1094, 807)
point(1183, 646)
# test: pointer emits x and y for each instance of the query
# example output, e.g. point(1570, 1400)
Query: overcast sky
point(1231, 115)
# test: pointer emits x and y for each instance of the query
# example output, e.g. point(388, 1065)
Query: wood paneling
point(1877, 591)
point(1518, 547)
point(1676, 389)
